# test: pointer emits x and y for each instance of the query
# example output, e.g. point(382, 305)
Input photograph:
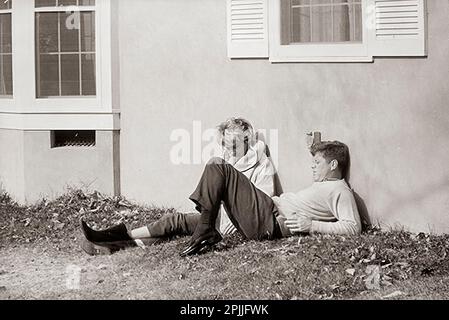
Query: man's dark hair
point(333, 150)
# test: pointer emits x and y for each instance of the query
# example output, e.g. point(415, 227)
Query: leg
point(116, 238)
point(250, 210)
point(172, 224)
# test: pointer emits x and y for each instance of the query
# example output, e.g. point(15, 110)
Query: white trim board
point(62, 121)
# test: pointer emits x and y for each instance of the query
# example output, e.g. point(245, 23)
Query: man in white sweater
point(328, 206)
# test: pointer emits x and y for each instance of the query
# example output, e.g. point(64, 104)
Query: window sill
point(366, 59)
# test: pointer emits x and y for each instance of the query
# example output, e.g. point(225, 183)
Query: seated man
point(241, 149)
point(328, 206)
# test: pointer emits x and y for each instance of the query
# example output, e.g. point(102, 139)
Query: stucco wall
point(12, 163)
point(48, 172)
point(392, 113)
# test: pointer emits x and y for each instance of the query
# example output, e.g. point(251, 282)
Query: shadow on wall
point(361, 206)
point(398, 200)
point(276, 180)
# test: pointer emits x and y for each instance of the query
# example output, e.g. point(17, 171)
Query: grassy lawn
point(41, 258)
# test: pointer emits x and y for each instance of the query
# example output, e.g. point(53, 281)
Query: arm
point(264, 177)
point(265, 183)
point(345, 210)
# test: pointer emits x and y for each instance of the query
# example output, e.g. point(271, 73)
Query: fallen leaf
point(334, 287)
point(372, 281)
point(27, 222)
point(350, 271)
point(393, 295)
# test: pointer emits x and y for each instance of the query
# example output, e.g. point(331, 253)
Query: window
point(311, 21)
point(326, 30)
point(65, 48)
point(63, 59)
point(5, 49)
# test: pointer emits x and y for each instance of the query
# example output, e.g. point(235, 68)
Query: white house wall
point(392, 113)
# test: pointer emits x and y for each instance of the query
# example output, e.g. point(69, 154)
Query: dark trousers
point(251, 210)
point(174, 224)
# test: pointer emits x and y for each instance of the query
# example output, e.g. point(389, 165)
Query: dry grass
point(39, 246)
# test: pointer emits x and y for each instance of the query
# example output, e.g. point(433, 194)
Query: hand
point(299, 224)
point(309, 139)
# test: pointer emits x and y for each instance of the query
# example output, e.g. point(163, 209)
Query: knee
point(216, 166)
point(215, 161)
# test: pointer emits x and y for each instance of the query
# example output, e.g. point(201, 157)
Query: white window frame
point(26, 111)
point(316, 52)
point(6, 97)
point(61, 10)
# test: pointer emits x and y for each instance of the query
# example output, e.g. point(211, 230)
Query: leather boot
point(115, 233)
point(107, 248)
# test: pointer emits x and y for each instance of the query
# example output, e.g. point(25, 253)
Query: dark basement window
point(72, 138)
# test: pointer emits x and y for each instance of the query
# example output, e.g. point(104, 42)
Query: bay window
point(6, 87)
point(56, 65)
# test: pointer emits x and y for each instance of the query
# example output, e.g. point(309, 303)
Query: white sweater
point(259, 169)
point(330, 205)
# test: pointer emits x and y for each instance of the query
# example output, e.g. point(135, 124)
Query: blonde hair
point(238, 127)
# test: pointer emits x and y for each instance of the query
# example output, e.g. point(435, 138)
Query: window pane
point(342, 23)
point(70, 78)
point(86, 2)
point(323, 21)
point(300, 2)
point(358, 23)
point(88, 74)
point(88, 31)
point(5, 33)
point(301, 25)
point(5, 74)
point(5, 55)
point(47, 31)
point(67, 3)
point(55, 3)
point(321, 24)
point(48, 76)
point(5, 4)
point(69, 32)
point(45, 3)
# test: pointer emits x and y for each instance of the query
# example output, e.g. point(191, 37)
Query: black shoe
point(115, 233)
point(206, 240)
point(105, 248)
point(94, 249)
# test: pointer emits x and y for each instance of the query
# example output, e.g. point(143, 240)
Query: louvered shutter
point(399, 28)
point(247, 28)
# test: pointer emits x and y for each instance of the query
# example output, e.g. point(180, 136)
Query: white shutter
point(399, 28)
point(247, 24)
